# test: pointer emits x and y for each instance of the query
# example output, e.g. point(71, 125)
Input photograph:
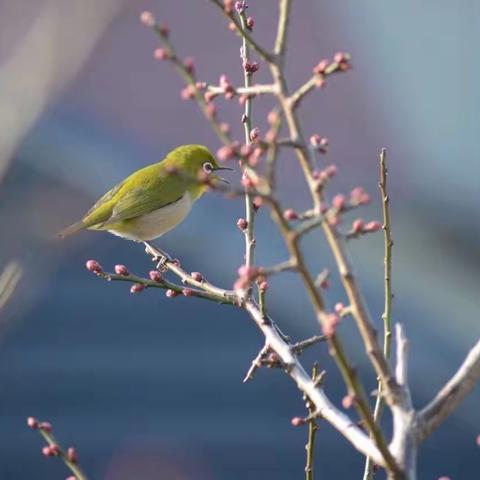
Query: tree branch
point(451, 395)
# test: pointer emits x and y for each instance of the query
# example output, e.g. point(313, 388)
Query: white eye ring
point(207, 167)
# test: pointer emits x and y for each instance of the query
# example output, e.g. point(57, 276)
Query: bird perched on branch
point(154, 199)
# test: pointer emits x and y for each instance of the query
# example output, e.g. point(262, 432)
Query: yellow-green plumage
point(151, 200)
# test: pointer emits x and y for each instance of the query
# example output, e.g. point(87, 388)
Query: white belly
point(156, 223)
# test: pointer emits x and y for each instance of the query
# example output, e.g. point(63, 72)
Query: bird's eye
point(207, 167)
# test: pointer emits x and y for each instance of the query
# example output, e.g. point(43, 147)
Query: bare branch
point(268, 57)
point(312, 430)
point(451, 395)
point(387, 312)
point(283, 18)
point(323, 406)
point(257, 89)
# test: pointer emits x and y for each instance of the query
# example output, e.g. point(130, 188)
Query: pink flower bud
point(50, 450)
point(225, 127)
point(330, 326)
point(32, 422)
point(226, 152)
point(247, 182)
point(45, 426)
point(338, 202)
point(250, 23)
point(241, 6)
point(188, 92)
point(372, 226)
point(209, 96)
point(478, 440)
point(331, 171)
point(321, 66)
point(188, 292)
point(246, 150)
point(228, 6)
point(137, 288)
point(161, 54)
point(254, 134)
point(347, 401)
point(189, 65)
point(147, 19)
point(297, 421)
point(358, 196)
point(257, 203)
point(263, 286)
point(273, 117)
point(290, 214)
point(357, 225)
point(121, 270)
point(325, 284)
point(197, 276)
point(155, 276)
point(71, 477)
point(72, 455)
point(242, 224)
point(93, 266)
point(171, 293)
point(339, 307)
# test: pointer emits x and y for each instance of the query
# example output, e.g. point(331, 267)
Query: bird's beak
point(221, 178)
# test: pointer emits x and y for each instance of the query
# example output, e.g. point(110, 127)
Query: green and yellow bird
point(154, 199)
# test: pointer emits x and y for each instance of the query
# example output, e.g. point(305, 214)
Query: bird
point(152, 200)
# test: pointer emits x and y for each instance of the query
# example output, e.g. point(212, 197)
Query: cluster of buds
point(320, 144)
point(52, 449)
point(341, 204)
point(359, 227)
point(342, 61)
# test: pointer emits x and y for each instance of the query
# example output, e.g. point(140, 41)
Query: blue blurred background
point(147, 387)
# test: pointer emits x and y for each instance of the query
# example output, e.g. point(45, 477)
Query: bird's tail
point(71, 229)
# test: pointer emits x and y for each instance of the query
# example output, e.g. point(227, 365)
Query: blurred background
point(146, 387)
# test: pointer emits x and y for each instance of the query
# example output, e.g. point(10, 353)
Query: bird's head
point(195, 160)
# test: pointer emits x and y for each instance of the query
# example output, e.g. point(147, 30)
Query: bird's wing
point(143, 198)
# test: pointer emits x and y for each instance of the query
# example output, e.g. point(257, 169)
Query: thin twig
point(257, 89)
point(387, 312)
point(299, 347)
point(267, 56)
point(312, 430)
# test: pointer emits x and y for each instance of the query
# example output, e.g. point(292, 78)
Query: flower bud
point(357, 225)
point(297, 421)
point(155, 276)
point(372, 226)
point(121, 270)
point(137, 288)
point(263, 286)
point(188, 292)
point(290, 214)
point(189, 65)
point(339, 307)
point(72, 455)
point(321, 66)
point(338, 202)
point(171, 293)
point(32, 422)
point(250, 23)
point(147, 19)
point(93, 266)
point(161, 54)
point(45, 426)
point(242, 224)
point(197, 276)
point(254, 134)
point(347, 401)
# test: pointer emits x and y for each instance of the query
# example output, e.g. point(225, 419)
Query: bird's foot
point(158, 256)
